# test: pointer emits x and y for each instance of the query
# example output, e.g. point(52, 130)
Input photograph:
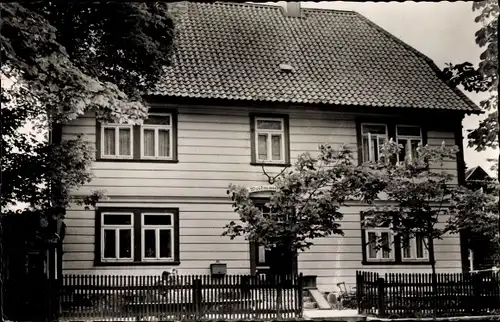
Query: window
point(157, 236)
point(153, 141)
point(409, 137)
point(379, 243)
point(130, 236)
point(373, 137)
point(156, 137)
point(117, 234)
point(116, 141)
point(270, 140)
point(413, 248)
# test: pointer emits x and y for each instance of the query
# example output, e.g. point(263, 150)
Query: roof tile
point(234, 51)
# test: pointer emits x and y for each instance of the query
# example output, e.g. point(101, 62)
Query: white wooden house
point(252, 83)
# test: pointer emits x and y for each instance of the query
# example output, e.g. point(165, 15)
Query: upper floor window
point(409, 137)
point(116, 141)
point(270, 140)
point(374, 135)
point(137, 236)
point(156, 137)
point(153, 141)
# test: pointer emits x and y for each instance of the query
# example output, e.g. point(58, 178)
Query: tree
point(418, 192)
point(475, 210)
point(64, 59)
point(482, 79)
point(306, 204)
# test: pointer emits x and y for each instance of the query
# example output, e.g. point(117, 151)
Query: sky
point(443, 31)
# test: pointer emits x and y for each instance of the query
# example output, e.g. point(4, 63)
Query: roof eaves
point(474, 108)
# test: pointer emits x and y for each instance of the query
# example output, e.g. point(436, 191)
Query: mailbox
point(218, 269)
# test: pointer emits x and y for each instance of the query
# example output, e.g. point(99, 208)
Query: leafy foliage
point(75, 56)
point(475, 209)
point(64, 59)
point(485, 77)
point(306, 203)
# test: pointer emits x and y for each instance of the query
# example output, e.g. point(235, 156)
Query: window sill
point(408, 263)
point(137, 160)
point(163, 263)
point(270, 164)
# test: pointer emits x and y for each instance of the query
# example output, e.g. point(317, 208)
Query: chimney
point(292, 8)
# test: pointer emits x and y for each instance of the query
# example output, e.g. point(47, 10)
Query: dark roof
point(234, 51)
point(476, 173)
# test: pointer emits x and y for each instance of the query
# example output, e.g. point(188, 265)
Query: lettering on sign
point(262, 188)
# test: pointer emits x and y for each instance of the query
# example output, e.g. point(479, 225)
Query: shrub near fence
point(411, 295)
point(181, 297)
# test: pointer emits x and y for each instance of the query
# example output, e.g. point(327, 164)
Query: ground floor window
point(380, 245)
point(137, 236)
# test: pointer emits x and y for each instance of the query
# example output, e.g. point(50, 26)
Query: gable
point(233, 51)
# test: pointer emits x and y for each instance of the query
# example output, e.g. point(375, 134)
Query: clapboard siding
point(214, 150)
point(332, 259)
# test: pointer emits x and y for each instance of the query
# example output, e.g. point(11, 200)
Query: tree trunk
point(432, 259)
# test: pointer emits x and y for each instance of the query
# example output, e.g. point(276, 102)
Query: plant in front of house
point(60, 60)
point(420, 193)
point(305, 205)
point(476, 210)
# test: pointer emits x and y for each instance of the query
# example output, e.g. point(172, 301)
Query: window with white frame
point(413, 248)
point(379, 243)
point(157, 232)
point(409, 136)
point(117, 236)
point(270, 140)
point(156, 137)
point(373, 137)
point(131, 236)
point(116, 141)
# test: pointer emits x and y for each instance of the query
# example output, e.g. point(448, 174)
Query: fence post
point(359, 291)
point(300, 295)
point(381, 296)
point(197, 297)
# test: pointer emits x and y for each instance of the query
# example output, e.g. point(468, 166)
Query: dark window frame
point(136, 241)
point(397, 249)
point(391, 124)
point(136, 143)
point(286, 138)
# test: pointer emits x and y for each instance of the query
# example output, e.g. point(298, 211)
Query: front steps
point(317, 308)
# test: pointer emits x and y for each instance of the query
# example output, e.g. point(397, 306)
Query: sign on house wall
point(266, 188)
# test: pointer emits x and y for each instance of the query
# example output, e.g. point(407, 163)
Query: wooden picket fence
point(411, 295)
point(182, 297)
